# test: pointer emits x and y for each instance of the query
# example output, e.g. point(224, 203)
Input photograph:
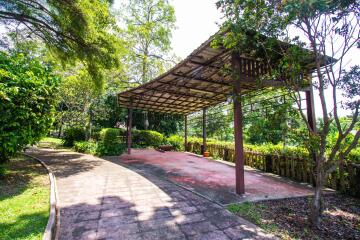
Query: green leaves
point(27, 93)
point(81, 30)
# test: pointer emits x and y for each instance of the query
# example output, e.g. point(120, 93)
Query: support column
point(185, 133)
point(238, 127)
point(310, 108)
point(204, 132)
point(310, 112)
point(129, 128)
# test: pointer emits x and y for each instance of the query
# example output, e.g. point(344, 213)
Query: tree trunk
point(316, 205)
point(60, 129)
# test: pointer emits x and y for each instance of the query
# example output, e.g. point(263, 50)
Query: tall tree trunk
point(316, 205)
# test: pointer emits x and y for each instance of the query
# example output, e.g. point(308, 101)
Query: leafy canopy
point(79, 29)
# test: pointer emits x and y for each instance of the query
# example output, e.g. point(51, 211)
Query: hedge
point(111, 142)
point(290, 162)
point(147, 138)
point(73, 134)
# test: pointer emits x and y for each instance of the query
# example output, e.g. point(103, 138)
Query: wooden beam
point(159, 109)
point(191, 87)
point(164, 105)
point(202, 80)
point(176, 94)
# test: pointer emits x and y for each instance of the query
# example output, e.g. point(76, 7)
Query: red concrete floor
point(212, 179)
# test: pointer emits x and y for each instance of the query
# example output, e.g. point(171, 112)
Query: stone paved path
point(100, 199)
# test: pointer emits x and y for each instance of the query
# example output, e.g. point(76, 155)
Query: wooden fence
point(346, 180)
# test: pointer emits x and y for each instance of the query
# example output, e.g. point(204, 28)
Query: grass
point(253, 213)
point(288, 218)
point(50, 142)
point(24, 199)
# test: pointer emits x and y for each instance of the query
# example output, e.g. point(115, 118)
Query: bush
point(86, 147)
point(27, 97)
point(73, 134)
point(147, 138)
point(176, 141)
point(110, 142)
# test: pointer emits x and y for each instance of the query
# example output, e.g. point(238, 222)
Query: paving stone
point(197, 228)
point(173, 233)
point(148, 225)
point(215, 235)
point(100, 199)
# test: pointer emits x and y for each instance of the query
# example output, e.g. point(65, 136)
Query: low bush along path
point(101, 199)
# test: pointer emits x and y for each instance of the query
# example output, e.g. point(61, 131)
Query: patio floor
point(212, 179)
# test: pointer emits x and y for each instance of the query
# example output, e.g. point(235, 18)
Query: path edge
point(50, 232)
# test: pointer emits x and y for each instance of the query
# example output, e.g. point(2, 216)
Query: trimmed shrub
point(110, 142)
point(147, 138)
point(176, 141)
point(85, 147)
point(73, 134)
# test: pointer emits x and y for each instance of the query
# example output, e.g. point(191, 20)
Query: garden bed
point(288, 218)
point(24, 199)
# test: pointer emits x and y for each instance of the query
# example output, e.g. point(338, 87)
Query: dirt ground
point(288, 218)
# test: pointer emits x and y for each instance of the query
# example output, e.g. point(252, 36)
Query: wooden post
point(310, 111)
point(185, 133)
point(310, 108)
point(204, 132)
point(129, 127)
point(238, 125)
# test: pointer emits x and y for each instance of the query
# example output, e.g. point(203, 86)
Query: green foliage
point(86, 147)
point(354, 156)
point(73, 134)
point(176, 141)
point(149, 24)
point(27, 94)
point(79, 29)
point(110, 142)
point(147, 138)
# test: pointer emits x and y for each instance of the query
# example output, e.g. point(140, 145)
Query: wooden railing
point(346, 180)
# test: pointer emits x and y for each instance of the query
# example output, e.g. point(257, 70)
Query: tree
point(328, 28)
point(74, 30)
point(149, 24)
point(28, 96)
point(271, 110)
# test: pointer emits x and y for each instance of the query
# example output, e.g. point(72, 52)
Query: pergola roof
point(197, 82)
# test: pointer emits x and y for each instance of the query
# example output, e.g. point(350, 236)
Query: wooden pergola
point(203, 80)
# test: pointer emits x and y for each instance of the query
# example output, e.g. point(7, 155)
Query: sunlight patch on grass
point(253, 213)
point(50, 142)
point(24, 200)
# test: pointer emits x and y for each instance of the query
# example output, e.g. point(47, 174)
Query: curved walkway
point(100, 199)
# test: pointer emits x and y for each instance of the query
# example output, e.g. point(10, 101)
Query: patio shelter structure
point(202, 80)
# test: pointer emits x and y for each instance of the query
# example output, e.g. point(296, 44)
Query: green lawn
point(50, 142)
point(24, 200)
